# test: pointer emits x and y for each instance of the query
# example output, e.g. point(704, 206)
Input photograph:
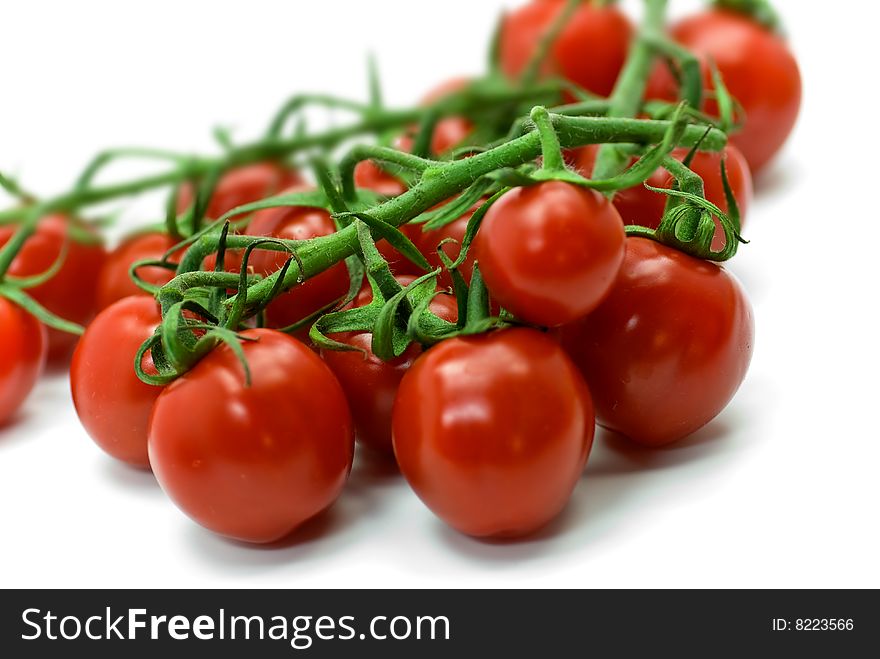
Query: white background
point(781, 490)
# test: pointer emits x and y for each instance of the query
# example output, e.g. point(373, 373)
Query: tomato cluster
point(569, 310)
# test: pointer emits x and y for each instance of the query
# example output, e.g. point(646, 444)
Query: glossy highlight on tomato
point(23, 351)
point(296, 223)
point(493, 431)
point(589, 51)
point(371, 384)
point(550, 252)
point(668, 348)
point(70, 293)
point(758, 70)
point(253, 462)
point(112, 403)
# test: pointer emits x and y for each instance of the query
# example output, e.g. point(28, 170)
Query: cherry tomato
point(638, 205)
point(493, 431)
point(371, 384)
point(668, 348)
point(253, 462)
point(112, 403)
point(590, 50)
point(758, 69)
point(449, 132)
point(296, 223)
point(429, 241)
point(114, 282)
point(549, 253)
point(242, 185)
point(70, 292)
point(23, 349)
point(398, 263)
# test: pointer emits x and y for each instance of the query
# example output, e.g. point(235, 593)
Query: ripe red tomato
point(23, 347)
point(758, 69)
point(590, 50)
point(242, 185)
point(112, 403)
point(493, 431)
point(296, 223)
point(371, 384)
point(253, 462)
point(428, 241)
point(114, 282)
point(449, 132)
point(638, 205)
point(70, 293)
point(550, 252)
point(668, 348)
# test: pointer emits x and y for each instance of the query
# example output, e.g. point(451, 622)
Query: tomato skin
point(550, 252)
point(758, 69)
point(296, 223)
point(23, 351)
point(638, 205)
point(589, 51)
point(242, 185)
point(112, 403)
point(114, 283)
point(493, 431)
point(428, 242)
point(669, 347)
point(253, 462)
point(371, 384)
point(70, 293)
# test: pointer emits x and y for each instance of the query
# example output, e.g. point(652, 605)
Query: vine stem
point(439, 182)
point(626, 99)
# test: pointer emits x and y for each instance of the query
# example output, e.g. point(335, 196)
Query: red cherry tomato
point(449, 132)
point(668, 348)
point(590, 50)
point(23, 347)
point(114, 283)
point(399, 264)
point(296, 223)
point(758, 69)
point(253, 462)
point(112, 403)
point(429, 241)
point(549, 253)
point(638, 205)
point(371, 384)
point(70, 292)
point(493, 431)
point(242, 185)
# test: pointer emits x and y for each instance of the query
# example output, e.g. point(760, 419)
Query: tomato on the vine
point(70, 293)
point(758, 70)
point(429, 241)
point(493, 431)
point(371, 384)
point(638, 205)
point(296, 223)
point(112, 403)
point(589, 51)
point(668, 348)
point(253, 462)
point(242, 185)
point(550, 252)
point(114, 282)
point(23, 349)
